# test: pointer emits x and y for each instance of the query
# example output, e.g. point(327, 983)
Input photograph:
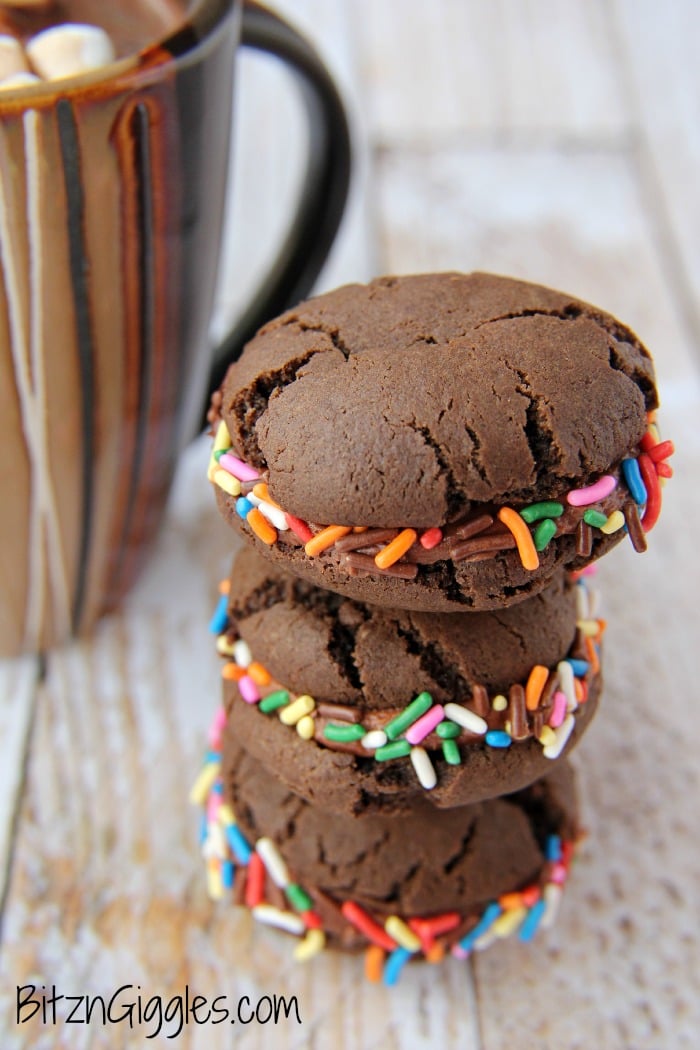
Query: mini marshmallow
point(19, 80)
point(68, 50)
point(12, 57)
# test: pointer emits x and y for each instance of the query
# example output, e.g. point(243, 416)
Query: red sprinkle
point(365, 924)
point(299, 528)
point(651, 483)
point(312, 920)
point(439, 923)
point(431, 538)
point(255, 883)
point(530, 895)
point(664, 470)
point(663, 450)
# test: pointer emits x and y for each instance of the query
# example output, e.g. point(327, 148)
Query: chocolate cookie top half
point(457, 419)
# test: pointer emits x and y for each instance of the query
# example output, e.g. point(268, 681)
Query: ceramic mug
point(112, 190)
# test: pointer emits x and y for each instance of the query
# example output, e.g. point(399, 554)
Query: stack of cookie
point(424, 469)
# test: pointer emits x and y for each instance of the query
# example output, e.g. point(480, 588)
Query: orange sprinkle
point(374, 963)
point(578, 690)
point(530, 895)
point(261, 527)
point(262, 492)
point(259, 674)
point(224, 587)
point(360, 528)
point(325, 539)
point(396, 549)
point(592, 655)
point(535, 684)
point(511, 901)
point(436, 954)
point(232, 672)
point(522, 536)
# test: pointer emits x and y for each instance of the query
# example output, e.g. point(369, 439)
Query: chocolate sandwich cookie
point(439, 442)
point(361, 709)
point(416, 886)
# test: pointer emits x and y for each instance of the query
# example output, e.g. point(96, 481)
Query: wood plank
point(536, 69)
point(18, 686)
point(658, 56)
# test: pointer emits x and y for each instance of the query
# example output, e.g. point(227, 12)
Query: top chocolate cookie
point(485, 432)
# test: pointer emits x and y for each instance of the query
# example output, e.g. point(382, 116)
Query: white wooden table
point(558, 141)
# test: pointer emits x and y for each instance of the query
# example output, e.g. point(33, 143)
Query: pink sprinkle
point(558, 710)
point(459, 953)
point(559, 874)
point(425, 724)
point(588, 570)
point(591, 493)
point(213, 806)
point(217, 727)
point(431, 538)
point(238, 468)
point(248, 689)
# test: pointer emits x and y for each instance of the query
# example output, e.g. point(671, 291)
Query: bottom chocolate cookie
point(419, 885)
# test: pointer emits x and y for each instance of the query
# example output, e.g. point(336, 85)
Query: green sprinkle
point(277, 699)
point(537, 511)
point(543, 533)
point(448, 730)
point(344, 734)
point(408, 716)
point(298, 898)
point(398, 749)
point(451, 753)
point(595, 518)
point(220, 452)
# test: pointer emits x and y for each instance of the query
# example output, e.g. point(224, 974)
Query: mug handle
point(325, 185)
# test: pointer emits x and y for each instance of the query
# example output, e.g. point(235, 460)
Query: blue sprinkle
point(211, 756)
point(633, 477)
point(394, 965)
point(493, 910)
point(498, 738)
point(203, 827)
point(552, 848)
point(532, 920)
point(227, 873)
point(243, 507)
point(579, 667)
point(217, 788)
point(238, 843)
point(219, 621)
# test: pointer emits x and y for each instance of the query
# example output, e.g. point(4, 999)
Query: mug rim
point(198, 23)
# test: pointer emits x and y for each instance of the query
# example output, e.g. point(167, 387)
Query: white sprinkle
point(252, 498)
point(485, 941)
point(19, 80)
point(214, 845)
point(466, 718)
point(274, 515)
point(552, 894)
point(283, 920)
point(70, 49)
point(374, 739)
point(425, 771)
point(242, 654)
point(562, 734)
point(270, 856)
point(13, 60)
point(565, 673)
point(583, 610)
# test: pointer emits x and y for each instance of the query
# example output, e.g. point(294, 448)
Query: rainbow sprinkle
point(602, 507)
point(252, 872)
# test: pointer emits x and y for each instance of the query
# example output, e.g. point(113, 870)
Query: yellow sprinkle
point(590, 628)
point(306, 727)
point(224, 647)
point(615, 522)
point(313, 943)
point(508, 726)
point(654, 431)
point(293, 712)
point(222, 441)
point(227, 482)
point(547, 736)
point(215, 886)
point(509, 921)
point(212, 469)
point(499, 703)
point(226, 814)
point(201, 786)
point(402, 933)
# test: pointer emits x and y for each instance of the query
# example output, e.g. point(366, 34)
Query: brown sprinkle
point(481, 544)
point(480, 701)
point(400, 569)
point(517, 713)
point(338, 713)
point(357, 540)
point(634, 527)
point(584, 539)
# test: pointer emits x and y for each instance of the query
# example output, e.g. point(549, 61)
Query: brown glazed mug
point(112, 188)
